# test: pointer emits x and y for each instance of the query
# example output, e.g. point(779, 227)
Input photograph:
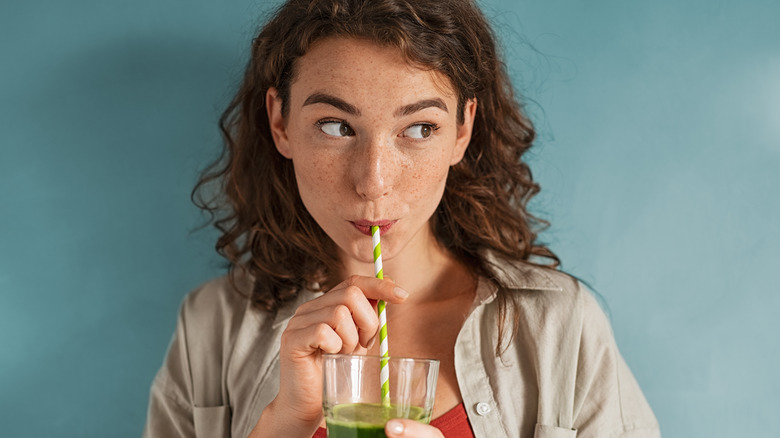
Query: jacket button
point(483, 408)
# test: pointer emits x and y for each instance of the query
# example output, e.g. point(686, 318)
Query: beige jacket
point(562, 376)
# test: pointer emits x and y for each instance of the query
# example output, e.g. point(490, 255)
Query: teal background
point(659, 158)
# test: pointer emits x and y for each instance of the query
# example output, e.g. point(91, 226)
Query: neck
point(423, 268)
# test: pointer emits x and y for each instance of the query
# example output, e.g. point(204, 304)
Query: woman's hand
point(411, 429)
point(343, 320)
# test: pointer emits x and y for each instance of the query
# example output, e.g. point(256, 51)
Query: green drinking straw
point(384, 371)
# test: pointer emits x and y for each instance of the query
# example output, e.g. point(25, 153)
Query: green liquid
point(366, 420)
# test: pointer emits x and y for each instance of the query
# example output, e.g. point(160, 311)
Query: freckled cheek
point(426, 183)
point(317, 173)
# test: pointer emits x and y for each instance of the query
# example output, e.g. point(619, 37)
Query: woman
point(400, 115)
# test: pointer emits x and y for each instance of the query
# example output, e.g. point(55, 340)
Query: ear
point(464, 131)
point(273, 105)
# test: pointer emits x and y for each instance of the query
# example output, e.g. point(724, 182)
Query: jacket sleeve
point(608, 401)
point(170, 412)
point(188, 398)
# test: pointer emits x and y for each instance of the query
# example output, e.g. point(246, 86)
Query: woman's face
point(371, 139)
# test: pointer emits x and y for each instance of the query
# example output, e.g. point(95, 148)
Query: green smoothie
point(366, 420)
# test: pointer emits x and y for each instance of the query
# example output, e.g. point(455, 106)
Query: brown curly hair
point(265, 228)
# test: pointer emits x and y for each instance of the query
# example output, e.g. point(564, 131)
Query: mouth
point(364, 226)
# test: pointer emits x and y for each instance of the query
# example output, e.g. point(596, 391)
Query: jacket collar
point(511, 275)
point(520, 275)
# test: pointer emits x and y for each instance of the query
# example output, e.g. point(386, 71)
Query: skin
point(371, 139)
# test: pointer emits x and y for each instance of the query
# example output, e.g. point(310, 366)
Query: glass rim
point(375, 357)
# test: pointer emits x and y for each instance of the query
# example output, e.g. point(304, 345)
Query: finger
point(377, 288)
point(399, 428)
point(372, 289)
point(366, 316)
point(362, 312)
point(330, 298)
point(359, 294)
point(338, 317)
point(305, 341)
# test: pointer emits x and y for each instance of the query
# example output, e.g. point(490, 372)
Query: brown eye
point(420, 130)
point(336, 128)
point(346, 130)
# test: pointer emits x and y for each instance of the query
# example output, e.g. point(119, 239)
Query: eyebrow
point(348, 108)
point(334, 101)
point(421, 105)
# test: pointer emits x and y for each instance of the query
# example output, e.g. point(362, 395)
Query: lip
point(364, 226)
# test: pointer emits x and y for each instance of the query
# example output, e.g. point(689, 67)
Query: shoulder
point(551, 307)
point(542, 291)
point(211, 318)
point(216, 297)
point(563, 335)
point(571, 301)
point(215, 312)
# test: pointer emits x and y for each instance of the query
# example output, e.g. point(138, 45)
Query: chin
point(356, 250)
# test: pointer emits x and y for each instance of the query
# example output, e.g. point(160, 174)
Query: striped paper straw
point(384, 371)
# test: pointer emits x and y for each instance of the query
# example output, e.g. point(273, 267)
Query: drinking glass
point(352, 399)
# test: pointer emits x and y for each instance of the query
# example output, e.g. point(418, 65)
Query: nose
point(371, 169)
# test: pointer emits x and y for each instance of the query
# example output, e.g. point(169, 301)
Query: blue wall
point(659, 156)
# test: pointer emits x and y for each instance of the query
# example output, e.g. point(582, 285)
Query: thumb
point(400, 428)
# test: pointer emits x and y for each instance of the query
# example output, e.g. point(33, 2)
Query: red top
point(453, 424)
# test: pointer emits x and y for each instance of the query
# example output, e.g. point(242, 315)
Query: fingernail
point(371, 342)
point(395, 427)
point(400, 293)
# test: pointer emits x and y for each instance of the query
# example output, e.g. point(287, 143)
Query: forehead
point(362, 69)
